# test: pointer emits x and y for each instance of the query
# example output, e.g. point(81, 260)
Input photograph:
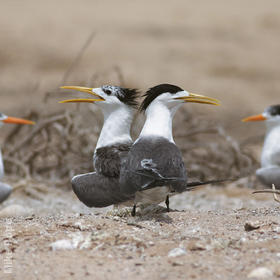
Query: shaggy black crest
point(129, 96)
point(154, 92)
point(273, 110)
point(126, 95)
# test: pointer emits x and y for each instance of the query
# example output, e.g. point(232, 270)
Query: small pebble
point(177, 252)
point(260, 273)
point(250, 225)
point(63, 244)
point(177, 264)
point(80, 225)
point(277, 229)
point(196, 246)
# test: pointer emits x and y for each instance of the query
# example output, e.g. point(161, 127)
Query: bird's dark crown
point(156, 91)
point(128, 96)
point(274, 110)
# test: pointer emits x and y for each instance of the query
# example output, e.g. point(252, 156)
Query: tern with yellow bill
point(118, 105)
point(269, 173)
point(5, 190)
point(154, 167)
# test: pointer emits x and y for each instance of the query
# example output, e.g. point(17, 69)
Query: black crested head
point(128, 96)
point(156, 91)
point(273, 110)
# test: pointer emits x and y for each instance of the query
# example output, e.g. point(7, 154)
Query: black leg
point(133, 212)
point(167, 203)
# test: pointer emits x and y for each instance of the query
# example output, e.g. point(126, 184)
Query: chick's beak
point(82, 89)
point(17, 121)
point(198, 98)
point(255, 118)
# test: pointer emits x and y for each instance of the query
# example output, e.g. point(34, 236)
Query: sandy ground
point(225, 49)
point(208, 240)
point(212, 233)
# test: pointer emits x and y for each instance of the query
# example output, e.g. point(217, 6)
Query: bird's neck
point(272, 136)
point(1, 166)
point(271, 125)
point(271, 145)
point(159, 121)
point(116, 127)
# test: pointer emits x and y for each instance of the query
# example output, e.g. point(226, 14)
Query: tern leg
point(167, 203)
point(133, 212)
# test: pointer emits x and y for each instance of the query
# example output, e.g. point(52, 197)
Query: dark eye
point(274, 111)
point(107, 91)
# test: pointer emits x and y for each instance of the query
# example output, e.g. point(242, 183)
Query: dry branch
point(61, 145)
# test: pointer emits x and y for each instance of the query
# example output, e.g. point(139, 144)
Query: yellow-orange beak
point(255, 118)
point(82, 89)
point(17, 121)
point(198, 98)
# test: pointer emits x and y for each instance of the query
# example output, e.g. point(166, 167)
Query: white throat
point(1, 166)
point(271, 148)
point(159, 121)
point(271, 124)
point(116, 127)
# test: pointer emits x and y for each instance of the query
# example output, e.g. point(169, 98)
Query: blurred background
point(223, 49)
point(229, 50)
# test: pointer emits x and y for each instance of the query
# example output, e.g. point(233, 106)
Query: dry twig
point(273, 191)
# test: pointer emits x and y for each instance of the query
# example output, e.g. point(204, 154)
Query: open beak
point(82, 89)
point(197, 98)
point(255, 118)
point(17, 121)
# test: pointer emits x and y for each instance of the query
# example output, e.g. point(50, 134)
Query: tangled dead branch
point(62, 144)
point(273, 191)
point(209, 151)
point(59, 146)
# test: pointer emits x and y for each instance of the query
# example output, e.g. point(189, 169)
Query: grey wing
point(153, 164)
point(5, 191)
point(108, 160)
point(96, 190)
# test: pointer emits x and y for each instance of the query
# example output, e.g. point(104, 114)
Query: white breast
point(159, 121)
point(271, 148)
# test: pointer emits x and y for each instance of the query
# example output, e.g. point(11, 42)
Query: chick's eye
point(108, 92)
